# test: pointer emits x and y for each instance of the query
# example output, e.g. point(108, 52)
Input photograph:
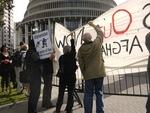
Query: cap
point(21, 43)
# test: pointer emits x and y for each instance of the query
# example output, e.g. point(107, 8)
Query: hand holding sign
point(91, 23)
point(52, 56)
point(72, 35)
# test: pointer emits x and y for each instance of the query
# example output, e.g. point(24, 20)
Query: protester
point(19, 67)
point(92, 67)
point(47, 78)
point(33, 63)
point(147, 43)
point(5, 59)
point(21, 44)
point(68, 79)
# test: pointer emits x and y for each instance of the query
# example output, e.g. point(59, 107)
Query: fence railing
point(135, 84)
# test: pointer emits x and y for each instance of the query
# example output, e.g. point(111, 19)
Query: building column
point(31, 32)
point(80, 22)
point(36, 25)
point(18, 37)
point(50, 29)
point(26, 33)
point(40, 28)
point(65, 24)
point(49, 25)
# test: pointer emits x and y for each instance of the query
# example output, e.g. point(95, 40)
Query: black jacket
point(47, 66)
point(69, 61)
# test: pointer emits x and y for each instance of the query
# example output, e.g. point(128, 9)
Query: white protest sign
point(125, 28)
point(43, 44)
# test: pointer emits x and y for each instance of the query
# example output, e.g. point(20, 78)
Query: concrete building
point(7, 31)
point(42, 14)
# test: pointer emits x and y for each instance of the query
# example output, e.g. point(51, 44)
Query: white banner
point(43, 44)
point(125, 28)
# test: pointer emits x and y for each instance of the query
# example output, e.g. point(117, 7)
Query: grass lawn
point(10, 97)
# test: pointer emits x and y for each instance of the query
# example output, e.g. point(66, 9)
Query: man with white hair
point(92, 67)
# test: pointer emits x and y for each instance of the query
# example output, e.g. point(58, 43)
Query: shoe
point(49, 107)
point(68, 111)
point(56, 111)
point(27, 94)
point(59, 112)
point(3, 90)
point(20, 90)
point(63, 112)
point(7, 90)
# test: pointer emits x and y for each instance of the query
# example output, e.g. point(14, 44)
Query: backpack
point(17, 59)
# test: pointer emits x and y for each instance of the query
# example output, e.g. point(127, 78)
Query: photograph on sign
point(43, 44)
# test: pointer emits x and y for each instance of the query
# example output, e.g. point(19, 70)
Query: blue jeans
point(93, 86)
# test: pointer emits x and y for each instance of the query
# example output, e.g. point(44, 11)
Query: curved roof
point(43, 9)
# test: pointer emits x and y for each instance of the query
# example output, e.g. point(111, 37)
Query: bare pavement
point(113, 104)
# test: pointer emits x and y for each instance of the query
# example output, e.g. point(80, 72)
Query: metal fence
point(135, 84)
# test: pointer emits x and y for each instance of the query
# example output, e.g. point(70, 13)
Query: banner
point(43, 44)
point(125, 28)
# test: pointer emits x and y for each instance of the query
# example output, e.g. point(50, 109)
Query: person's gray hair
point(67, 49)
point(87, 36)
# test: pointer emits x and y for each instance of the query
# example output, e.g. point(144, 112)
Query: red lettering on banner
point(109, 33)
point(113, 22)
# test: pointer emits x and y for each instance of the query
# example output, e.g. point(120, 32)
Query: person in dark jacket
point(68, 79)
point(6, 61)
point(33, 64)
point(147, 43)
point(47, 78)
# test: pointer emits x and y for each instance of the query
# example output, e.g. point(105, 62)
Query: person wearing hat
point(21, 44)
point(92, 68)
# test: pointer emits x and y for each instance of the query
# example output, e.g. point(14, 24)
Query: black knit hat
point(31, 44)
point(21, 43)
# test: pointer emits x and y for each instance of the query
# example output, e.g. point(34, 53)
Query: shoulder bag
point(60, 70)
point(24, 74)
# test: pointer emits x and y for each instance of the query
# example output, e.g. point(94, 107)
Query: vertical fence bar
point(139, 82)
point(132, 82)
point(120, 83)
point(108, 84)
point(114, 84)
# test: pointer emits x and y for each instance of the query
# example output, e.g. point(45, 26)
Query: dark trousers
point(70, 84)
point(148, 99)
point(148, 104)
point(35, 86)
point(46, 101)
point(5, 80)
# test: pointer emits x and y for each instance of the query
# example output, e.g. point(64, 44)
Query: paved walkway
point(113, 104)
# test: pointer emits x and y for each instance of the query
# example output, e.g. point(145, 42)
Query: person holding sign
point(68, 79)
point(147, 43)
point(92, 67)
point(47, 78)
point(33, 64)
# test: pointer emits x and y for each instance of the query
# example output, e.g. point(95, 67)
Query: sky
point(21, 5)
